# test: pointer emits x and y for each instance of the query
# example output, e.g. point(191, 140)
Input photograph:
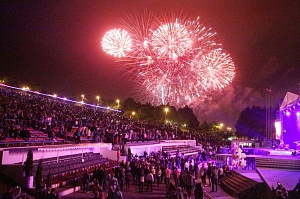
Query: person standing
point(199, 194)
point(209, 172)
point(221, 175)
point(167, 176)
point(128, 177)
point(189, 183)
point(203, 174)
point(297, 189)
point(118, 193)
point(129, 154)
point(8, 194)
point(86, 181)
point(158, 175)
point(150, 180)
point(214, 179)
point(110, 193)
point(141, 181)
point(118, 155)
point(196, 169)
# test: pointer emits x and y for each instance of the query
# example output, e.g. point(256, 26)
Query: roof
point(289, 100)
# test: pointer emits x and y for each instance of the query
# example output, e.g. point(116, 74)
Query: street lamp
point(166, 110)
point(229, 129)
point(82, 96)
point(98, 98)
point(132, 113)
point(118, 102)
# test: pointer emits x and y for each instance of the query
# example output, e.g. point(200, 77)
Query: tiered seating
point(74, 175)
point(37, 138)
point(59, 165)
point(185, 149)
point(66, 169)
point(38, 135)
point(277, 163)
point(242, 187)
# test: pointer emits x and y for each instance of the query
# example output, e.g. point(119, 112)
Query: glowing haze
point(174, 61)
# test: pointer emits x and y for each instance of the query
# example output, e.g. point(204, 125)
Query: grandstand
point(50, 128)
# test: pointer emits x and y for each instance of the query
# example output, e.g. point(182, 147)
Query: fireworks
point(174, 62)
point(117, 42)
point(170, 40)
point(216, 70)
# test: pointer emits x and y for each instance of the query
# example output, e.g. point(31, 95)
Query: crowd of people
point(21, 111)
point(69, 121)
point(183, 176)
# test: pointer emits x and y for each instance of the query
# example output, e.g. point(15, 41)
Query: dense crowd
point(21, 111)
point(183, 176)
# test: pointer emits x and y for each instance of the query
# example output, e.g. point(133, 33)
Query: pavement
point(159, 192)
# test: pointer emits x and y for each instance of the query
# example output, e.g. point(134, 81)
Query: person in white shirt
point(186, 165)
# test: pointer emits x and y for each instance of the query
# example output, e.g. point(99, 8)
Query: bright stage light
point(288, 113)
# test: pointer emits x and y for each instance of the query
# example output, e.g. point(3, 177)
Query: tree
point(130, 105)
point(146, 111)
point(204, 127)
point(28, 164)
point(251, 123)
point(186, 116)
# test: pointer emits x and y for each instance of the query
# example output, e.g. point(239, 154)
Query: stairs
point(240, 186)
point(184, 149)
point(282, 163)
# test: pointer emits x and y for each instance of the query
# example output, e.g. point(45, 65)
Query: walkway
point(159, 192)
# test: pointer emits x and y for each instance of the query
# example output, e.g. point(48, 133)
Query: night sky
point(56, 44)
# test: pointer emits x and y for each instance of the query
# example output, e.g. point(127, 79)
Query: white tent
point(289, 100)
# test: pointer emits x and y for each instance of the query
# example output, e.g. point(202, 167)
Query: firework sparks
point(170, 40)
point(216, 70)
point(116, 42)
point(174, 62)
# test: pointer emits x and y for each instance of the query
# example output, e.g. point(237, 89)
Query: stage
point(270, 166)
